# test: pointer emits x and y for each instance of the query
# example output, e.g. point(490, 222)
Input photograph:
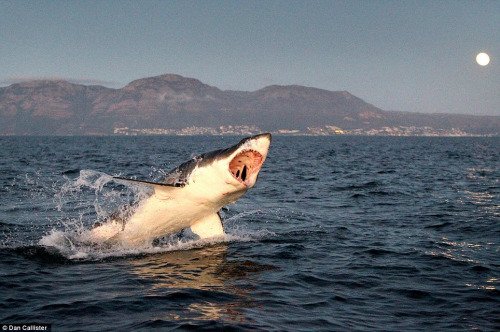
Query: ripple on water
point(340, 233)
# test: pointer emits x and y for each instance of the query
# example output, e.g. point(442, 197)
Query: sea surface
point(339, 233)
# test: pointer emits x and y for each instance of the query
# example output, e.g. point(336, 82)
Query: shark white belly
point(191, 195)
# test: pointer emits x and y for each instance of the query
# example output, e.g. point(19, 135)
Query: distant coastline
point(252, 130)
point(310, 131)
point(174, 105)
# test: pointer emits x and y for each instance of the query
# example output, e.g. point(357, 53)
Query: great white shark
point(190, 196)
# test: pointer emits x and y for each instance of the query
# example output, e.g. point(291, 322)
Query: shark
point(190, 196)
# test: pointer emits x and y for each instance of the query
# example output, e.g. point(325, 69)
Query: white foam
point(75, 242)
point(74, 246)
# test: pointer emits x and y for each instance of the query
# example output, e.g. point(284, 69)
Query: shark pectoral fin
point(162, 190)
point(209, 226)
point(150, 183)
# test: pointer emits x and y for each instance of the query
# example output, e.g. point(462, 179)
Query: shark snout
point(265, 136)
point(260, 143)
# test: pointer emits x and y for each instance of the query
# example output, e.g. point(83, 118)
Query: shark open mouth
point(244, 164)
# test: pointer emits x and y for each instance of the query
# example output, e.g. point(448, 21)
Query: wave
point(38, 253)
point(366, 185)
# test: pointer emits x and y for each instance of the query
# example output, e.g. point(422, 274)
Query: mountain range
point(58, 107)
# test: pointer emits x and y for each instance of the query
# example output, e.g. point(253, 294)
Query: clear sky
point(398, 55)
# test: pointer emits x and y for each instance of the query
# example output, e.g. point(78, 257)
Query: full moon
point(482, 59)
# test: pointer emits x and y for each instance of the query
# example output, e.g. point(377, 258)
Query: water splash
point(75, 245)
point(94, 196)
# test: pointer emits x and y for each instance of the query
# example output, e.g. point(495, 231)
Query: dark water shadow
point(214, 287)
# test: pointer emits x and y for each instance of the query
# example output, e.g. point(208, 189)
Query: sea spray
point(94, 196)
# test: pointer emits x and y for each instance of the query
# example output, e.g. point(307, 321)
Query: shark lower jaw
point(245, 166)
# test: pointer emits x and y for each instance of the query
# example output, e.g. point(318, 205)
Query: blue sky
point(398, 55)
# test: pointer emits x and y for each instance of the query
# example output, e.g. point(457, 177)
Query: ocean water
point(339, 233)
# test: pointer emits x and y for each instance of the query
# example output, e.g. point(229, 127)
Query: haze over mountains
point(52, 107)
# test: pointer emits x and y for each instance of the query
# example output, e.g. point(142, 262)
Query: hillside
point(171, 101)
